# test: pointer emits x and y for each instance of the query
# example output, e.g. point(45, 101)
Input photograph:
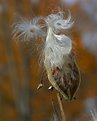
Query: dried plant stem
point(61, 107)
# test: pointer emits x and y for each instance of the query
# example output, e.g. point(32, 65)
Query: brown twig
point(61, 107)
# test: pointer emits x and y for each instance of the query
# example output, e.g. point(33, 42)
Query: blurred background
point(20, 71)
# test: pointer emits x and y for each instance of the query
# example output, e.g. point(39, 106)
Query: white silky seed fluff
point(57, 47)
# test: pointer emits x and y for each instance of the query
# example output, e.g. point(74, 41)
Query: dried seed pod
point(67, 77)
point(60, 62)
